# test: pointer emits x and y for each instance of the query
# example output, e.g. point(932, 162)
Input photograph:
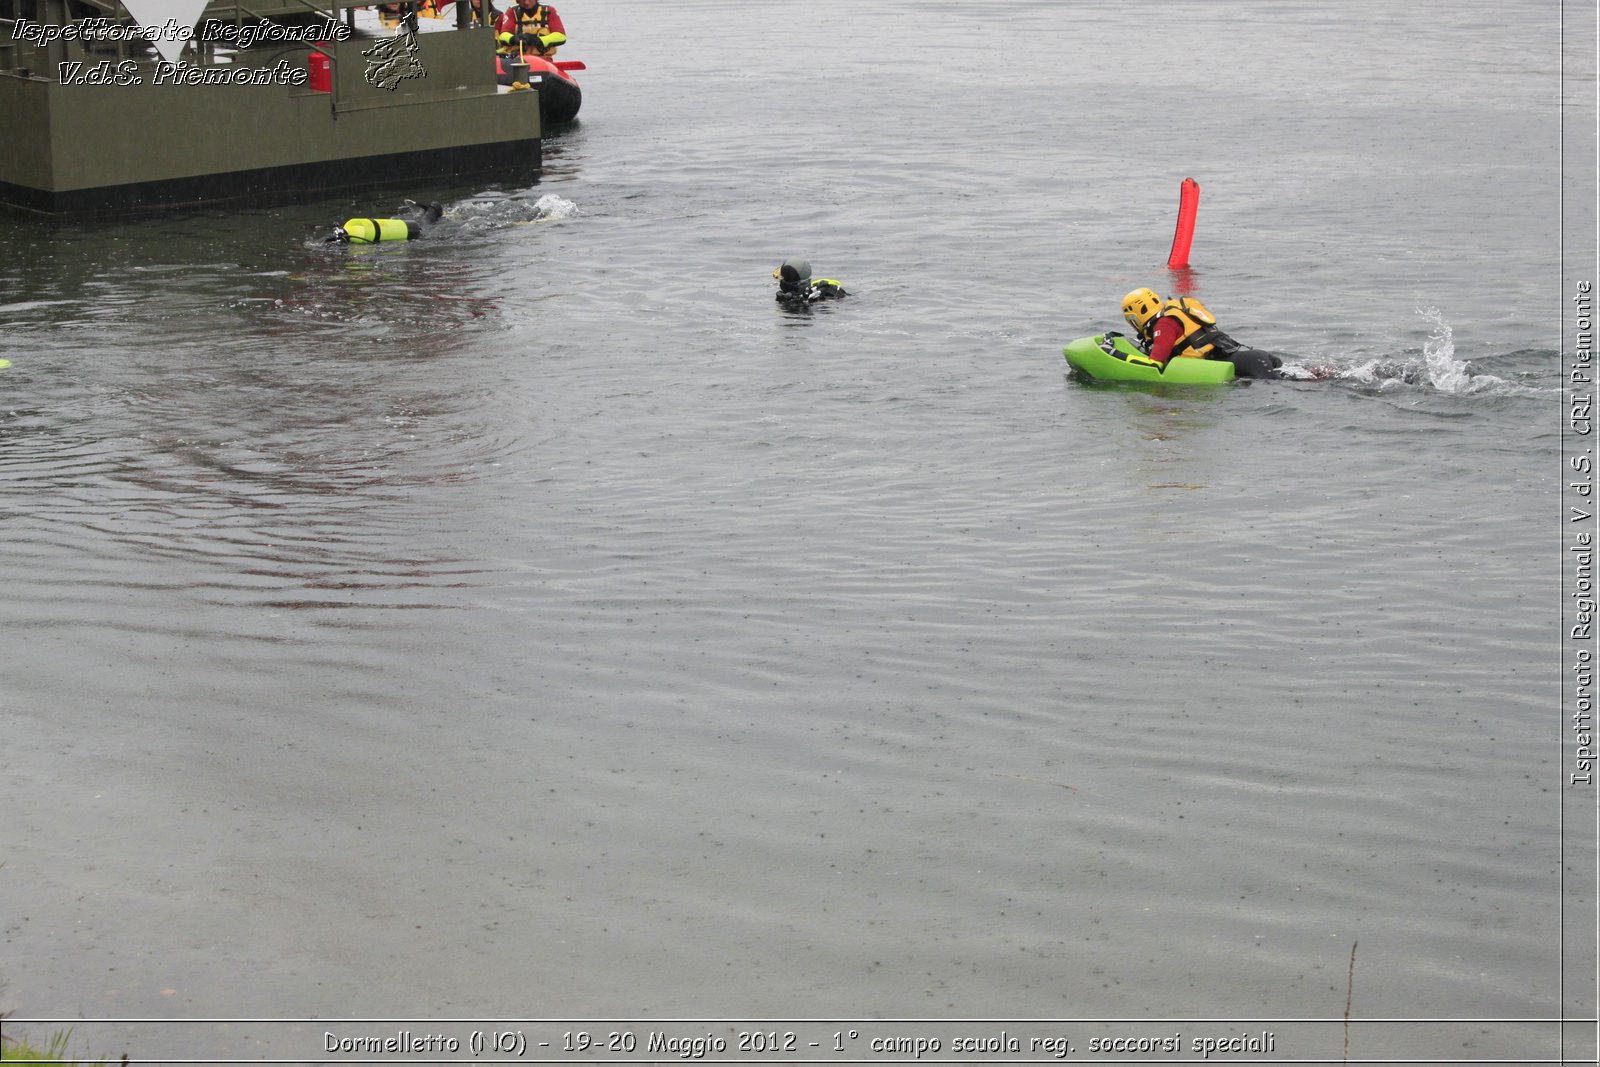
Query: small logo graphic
point(180, 13)
point(393, 60)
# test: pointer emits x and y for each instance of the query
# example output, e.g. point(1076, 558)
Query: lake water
point(534, 622)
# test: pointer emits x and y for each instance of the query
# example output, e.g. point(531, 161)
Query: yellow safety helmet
point(1139, 307)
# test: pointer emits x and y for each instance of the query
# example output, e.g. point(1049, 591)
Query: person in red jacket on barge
point(530, 26)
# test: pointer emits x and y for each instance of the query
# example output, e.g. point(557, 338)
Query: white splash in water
point(1439, 367)
point(1448, 374)
point(550, 206)
point(481, 214)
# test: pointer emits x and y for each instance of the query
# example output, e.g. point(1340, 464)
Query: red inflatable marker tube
point(1188, 205)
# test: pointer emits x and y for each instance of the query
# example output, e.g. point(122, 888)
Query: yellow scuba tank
point(372, 231)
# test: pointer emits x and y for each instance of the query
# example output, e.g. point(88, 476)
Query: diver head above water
point(796, 286)
point(794, 276)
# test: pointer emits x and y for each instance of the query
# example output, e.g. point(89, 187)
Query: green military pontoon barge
point(102, 113)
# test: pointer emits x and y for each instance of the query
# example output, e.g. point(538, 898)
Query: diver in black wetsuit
point(796, 287)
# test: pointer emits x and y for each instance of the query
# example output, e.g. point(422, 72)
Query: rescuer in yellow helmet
point(1184, 327)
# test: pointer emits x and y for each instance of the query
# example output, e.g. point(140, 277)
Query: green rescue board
point(1115, 359)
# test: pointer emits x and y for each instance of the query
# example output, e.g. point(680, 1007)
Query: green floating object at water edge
point(1115, 359)
point(4, 363)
